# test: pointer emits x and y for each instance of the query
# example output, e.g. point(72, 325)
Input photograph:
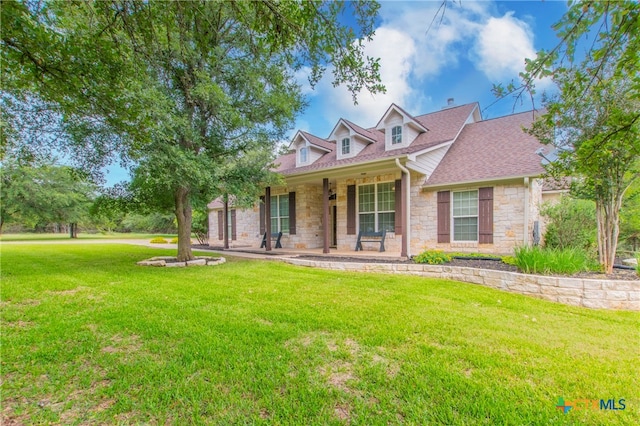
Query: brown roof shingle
point(489, 150)
point(443, 127)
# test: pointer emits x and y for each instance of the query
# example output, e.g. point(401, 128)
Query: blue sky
point(478, 43)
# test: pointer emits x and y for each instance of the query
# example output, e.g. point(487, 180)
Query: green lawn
point(89, 337)
point(26, 236)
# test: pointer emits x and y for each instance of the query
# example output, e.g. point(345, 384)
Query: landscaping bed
point(498, 265)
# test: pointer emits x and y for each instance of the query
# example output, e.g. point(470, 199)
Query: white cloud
point(502, 46)
point(396, 51)
point(302, 78)
point(437, 34)
point(416, 57)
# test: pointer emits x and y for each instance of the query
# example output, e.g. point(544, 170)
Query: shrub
point(432, 257)
point(158, 240)
point(152, 223)
point(174, 240)
point(509, 260)
point(537, 260)
point(572, 224)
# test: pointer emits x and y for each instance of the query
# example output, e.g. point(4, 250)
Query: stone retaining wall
point(590, 293)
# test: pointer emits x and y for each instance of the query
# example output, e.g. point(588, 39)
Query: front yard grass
point(32, 236)
point(90, 337)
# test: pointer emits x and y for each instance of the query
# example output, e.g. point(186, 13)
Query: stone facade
point(589, 293)
point(508, 218)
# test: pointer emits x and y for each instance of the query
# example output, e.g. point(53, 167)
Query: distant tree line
point(48, 197)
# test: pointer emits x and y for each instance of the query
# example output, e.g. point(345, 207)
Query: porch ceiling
point(387, 165)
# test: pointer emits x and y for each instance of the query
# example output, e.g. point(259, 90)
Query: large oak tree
point(181, 90)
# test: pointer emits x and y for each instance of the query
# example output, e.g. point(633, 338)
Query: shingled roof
point(443, 127)
point(489, 150)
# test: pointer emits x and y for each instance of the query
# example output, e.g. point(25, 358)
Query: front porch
point(319, 252)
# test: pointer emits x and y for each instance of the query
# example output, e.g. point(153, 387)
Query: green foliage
point(153, 222)
point(630, 219)
point(432, 257)
point(509, 260)
point(595, 121)
point(194, 94)
point(40, 194)
point(201, 225)
point(571, 224)
point(159, 240)
point(538, 260)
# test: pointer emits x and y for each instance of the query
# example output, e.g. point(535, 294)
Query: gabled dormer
point(308, 148)
point(350, 139)
point(399, 127)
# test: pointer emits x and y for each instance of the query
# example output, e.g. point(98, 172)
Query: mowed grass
point(25, 236)
point(89, 337)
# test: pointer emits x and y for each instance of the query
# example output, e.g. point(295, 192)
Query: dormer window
point(346, 146)
point(396, 135)
point(304, 154)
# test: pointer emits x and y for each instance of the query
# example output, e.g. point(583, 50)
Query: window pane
point(274, 224)
point(386, 197)
point(465, 229)
point(387, 222)
point(303, 155)
point(346, 146)
point(396, 135)
point(274, 206)
point(284, 225)
point(366, 198)
point(284, 205)
point(367, 222)
point(465, 203)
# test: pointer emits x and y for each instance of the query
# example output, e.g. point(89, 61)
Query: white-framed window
point(346, 146)
point(280, 213)
point(377, 207)
point(304, 154)
point(465, 215)
point(396, 135)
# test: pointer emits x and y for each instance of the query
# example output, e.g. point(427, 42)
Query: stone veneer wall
point(247, 228)
point(308, 221)
point(589, 293)
point(508, 221)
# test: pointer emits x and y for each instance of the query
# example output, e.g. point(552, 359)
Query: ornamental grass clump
point(432, 257)
point(537, 260)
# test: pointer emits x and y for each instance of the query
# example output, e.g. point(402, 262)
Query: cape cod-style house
point(445, 180)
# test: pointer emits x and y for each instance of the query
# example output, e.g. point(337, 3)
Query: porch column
point(404, 197)
point(325, 215)
point(225, 218)
point(267, 217)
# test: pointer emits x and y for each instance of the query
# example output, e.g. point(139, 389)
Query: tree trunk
point(607, 212)
point(184, 218)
